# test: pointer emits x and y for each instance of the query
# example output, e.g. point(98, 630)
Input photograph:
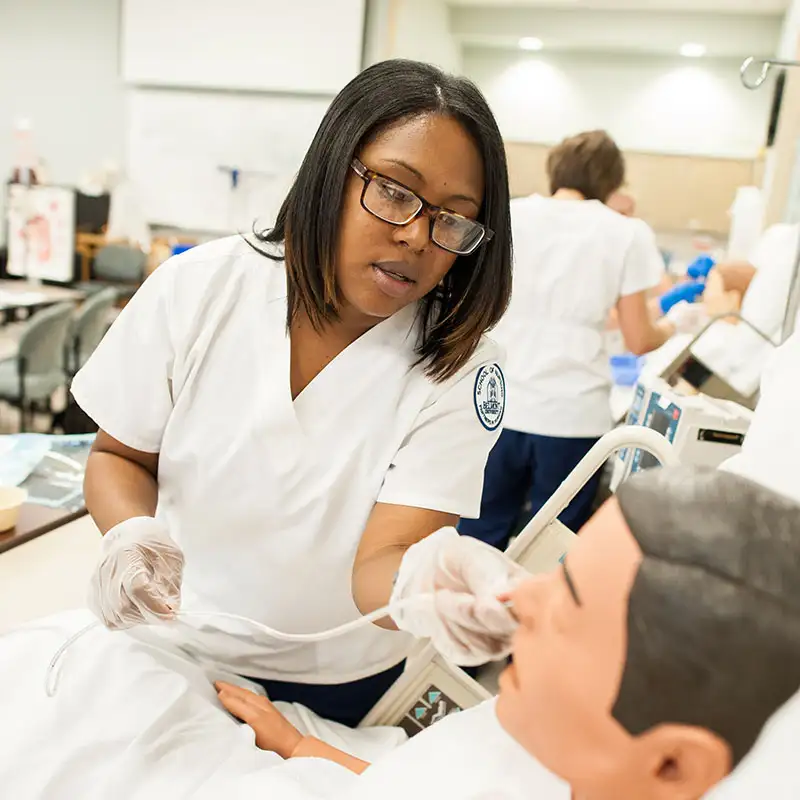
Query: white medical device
point(705, 431)
point(431, 687)
point(689, 373)
point(721, 361)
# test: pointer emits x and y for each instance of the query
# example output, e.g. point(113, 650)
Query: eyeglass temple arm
point(359, 168)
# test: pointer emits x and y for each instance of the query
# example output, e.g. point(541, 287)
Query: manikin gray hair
point(714, 612)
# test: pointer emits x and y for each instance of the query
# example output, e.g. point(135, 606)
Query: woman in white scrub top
point(282, 418)
point(575, 260)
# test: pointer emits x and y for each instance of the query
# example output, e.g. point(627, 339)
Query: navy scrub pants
point(522, 467)
point(347, 703)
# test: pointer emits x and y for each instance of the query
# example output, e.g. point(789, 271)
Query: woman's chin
point(372, 307)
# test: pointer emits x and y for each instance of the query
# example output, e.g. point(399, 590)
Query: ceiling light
point(531, 43)
point(693, 50)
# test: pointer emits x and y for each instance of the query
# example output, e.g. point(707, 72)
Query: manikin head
point(648, 664)
point(623, 202)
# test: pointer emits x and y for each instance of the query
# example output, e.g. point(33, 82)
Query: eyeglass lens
point(394, 203)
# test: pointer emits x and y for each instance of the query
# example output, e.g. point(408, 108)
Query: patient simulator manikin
point(644, 667)
point(648, 664)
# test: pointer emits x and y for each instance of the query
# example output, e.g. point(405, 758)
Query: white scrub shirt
point(268, 497)
point(573, 260)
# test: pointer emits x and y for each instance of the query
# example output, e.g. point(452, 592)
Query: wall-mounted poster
point(41, 232)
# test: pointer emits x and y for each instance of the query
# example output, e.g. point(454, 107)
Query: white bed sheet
point(133, 721)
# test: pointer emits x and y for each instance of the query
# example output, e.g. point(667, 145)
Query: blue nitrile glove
point(688, 291)
point(700, 267)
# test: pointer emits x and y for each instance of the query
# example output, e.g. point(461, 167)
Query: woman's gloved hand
point(700, 267)
point(457, 580)
point(688, 292)
point(138, 579)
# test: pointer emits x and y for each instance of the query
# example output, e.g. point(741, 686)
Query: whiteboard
point(305, 46)
point(182, 145)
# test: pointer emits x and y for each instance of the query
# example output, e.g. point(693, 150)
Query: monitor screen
point(694, 372)
point(660, 422)
point(91, 212)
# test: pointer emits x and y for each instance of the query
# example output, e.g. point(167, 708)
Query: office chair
point(117, 266)
point(37, 370)
point(88, 326)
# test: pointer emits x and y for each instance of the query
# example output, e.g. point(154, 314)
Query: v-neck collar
point(394, 331)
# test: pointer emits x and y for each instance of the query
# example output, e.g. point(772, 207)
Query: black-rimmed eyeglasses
point(396, 204)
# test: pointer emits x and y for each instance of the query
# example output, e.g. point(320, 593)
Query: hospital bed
point(689, 372)
point(432, 688)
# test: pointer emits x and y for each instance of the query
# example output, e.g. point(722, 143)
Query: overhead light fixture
point(531, 43)
point(693, 50)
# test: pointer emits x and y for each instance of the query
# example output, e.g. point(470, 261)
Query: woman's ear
point(684, 761)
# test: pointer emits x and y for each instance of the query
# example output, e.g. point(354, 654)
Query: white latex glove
point(457, 580)
point(138, 578)
point(688, 317)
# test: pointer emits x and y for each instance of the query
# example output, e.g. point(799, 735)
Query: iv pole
point(753, 83)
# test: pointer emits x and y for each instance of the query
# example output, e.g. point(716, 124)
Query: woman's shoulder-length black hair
point(476, 290)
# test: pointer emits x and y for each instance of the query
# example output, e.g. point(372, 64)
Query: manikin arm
point(275, 733)
point(311, 747)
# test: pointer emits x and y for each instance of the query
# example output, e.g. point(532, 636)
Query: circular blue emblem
point(490, 396)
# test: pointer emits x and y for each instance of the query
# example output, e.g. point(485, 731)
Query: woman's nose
point(416, 234)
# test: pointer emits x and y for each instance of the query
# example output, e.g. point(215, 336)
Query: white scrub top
point(268, 497)
point(573, 260)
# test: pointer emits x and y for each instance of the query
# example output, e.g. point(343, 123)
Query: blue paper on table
point(51, 468)
point(626, 368)
point(19, 457)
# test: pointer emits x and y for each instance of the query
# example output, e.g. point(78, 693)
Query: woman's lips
point(391, 282)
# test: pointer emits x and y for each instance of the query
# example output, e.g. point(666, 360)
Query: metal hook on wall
point(766, 64)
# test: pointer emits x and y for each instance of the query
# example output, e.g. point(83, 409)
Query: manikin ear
point(683, 762)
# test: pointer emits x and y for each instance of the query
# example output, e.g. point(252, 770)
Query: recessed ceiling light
point(531, 43)
point(693, 50)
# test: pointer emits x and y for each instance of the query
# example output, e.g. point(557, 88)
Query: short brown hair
point(714, 612)
point(590, 163)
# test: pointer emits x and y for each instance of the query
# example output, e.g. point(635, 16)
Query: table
point(52, 500)
point(25, 294)
point(34, 521)
point(49, 574)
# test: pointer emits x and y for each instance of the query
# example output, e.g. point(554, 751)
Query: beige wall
point(674, 193)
